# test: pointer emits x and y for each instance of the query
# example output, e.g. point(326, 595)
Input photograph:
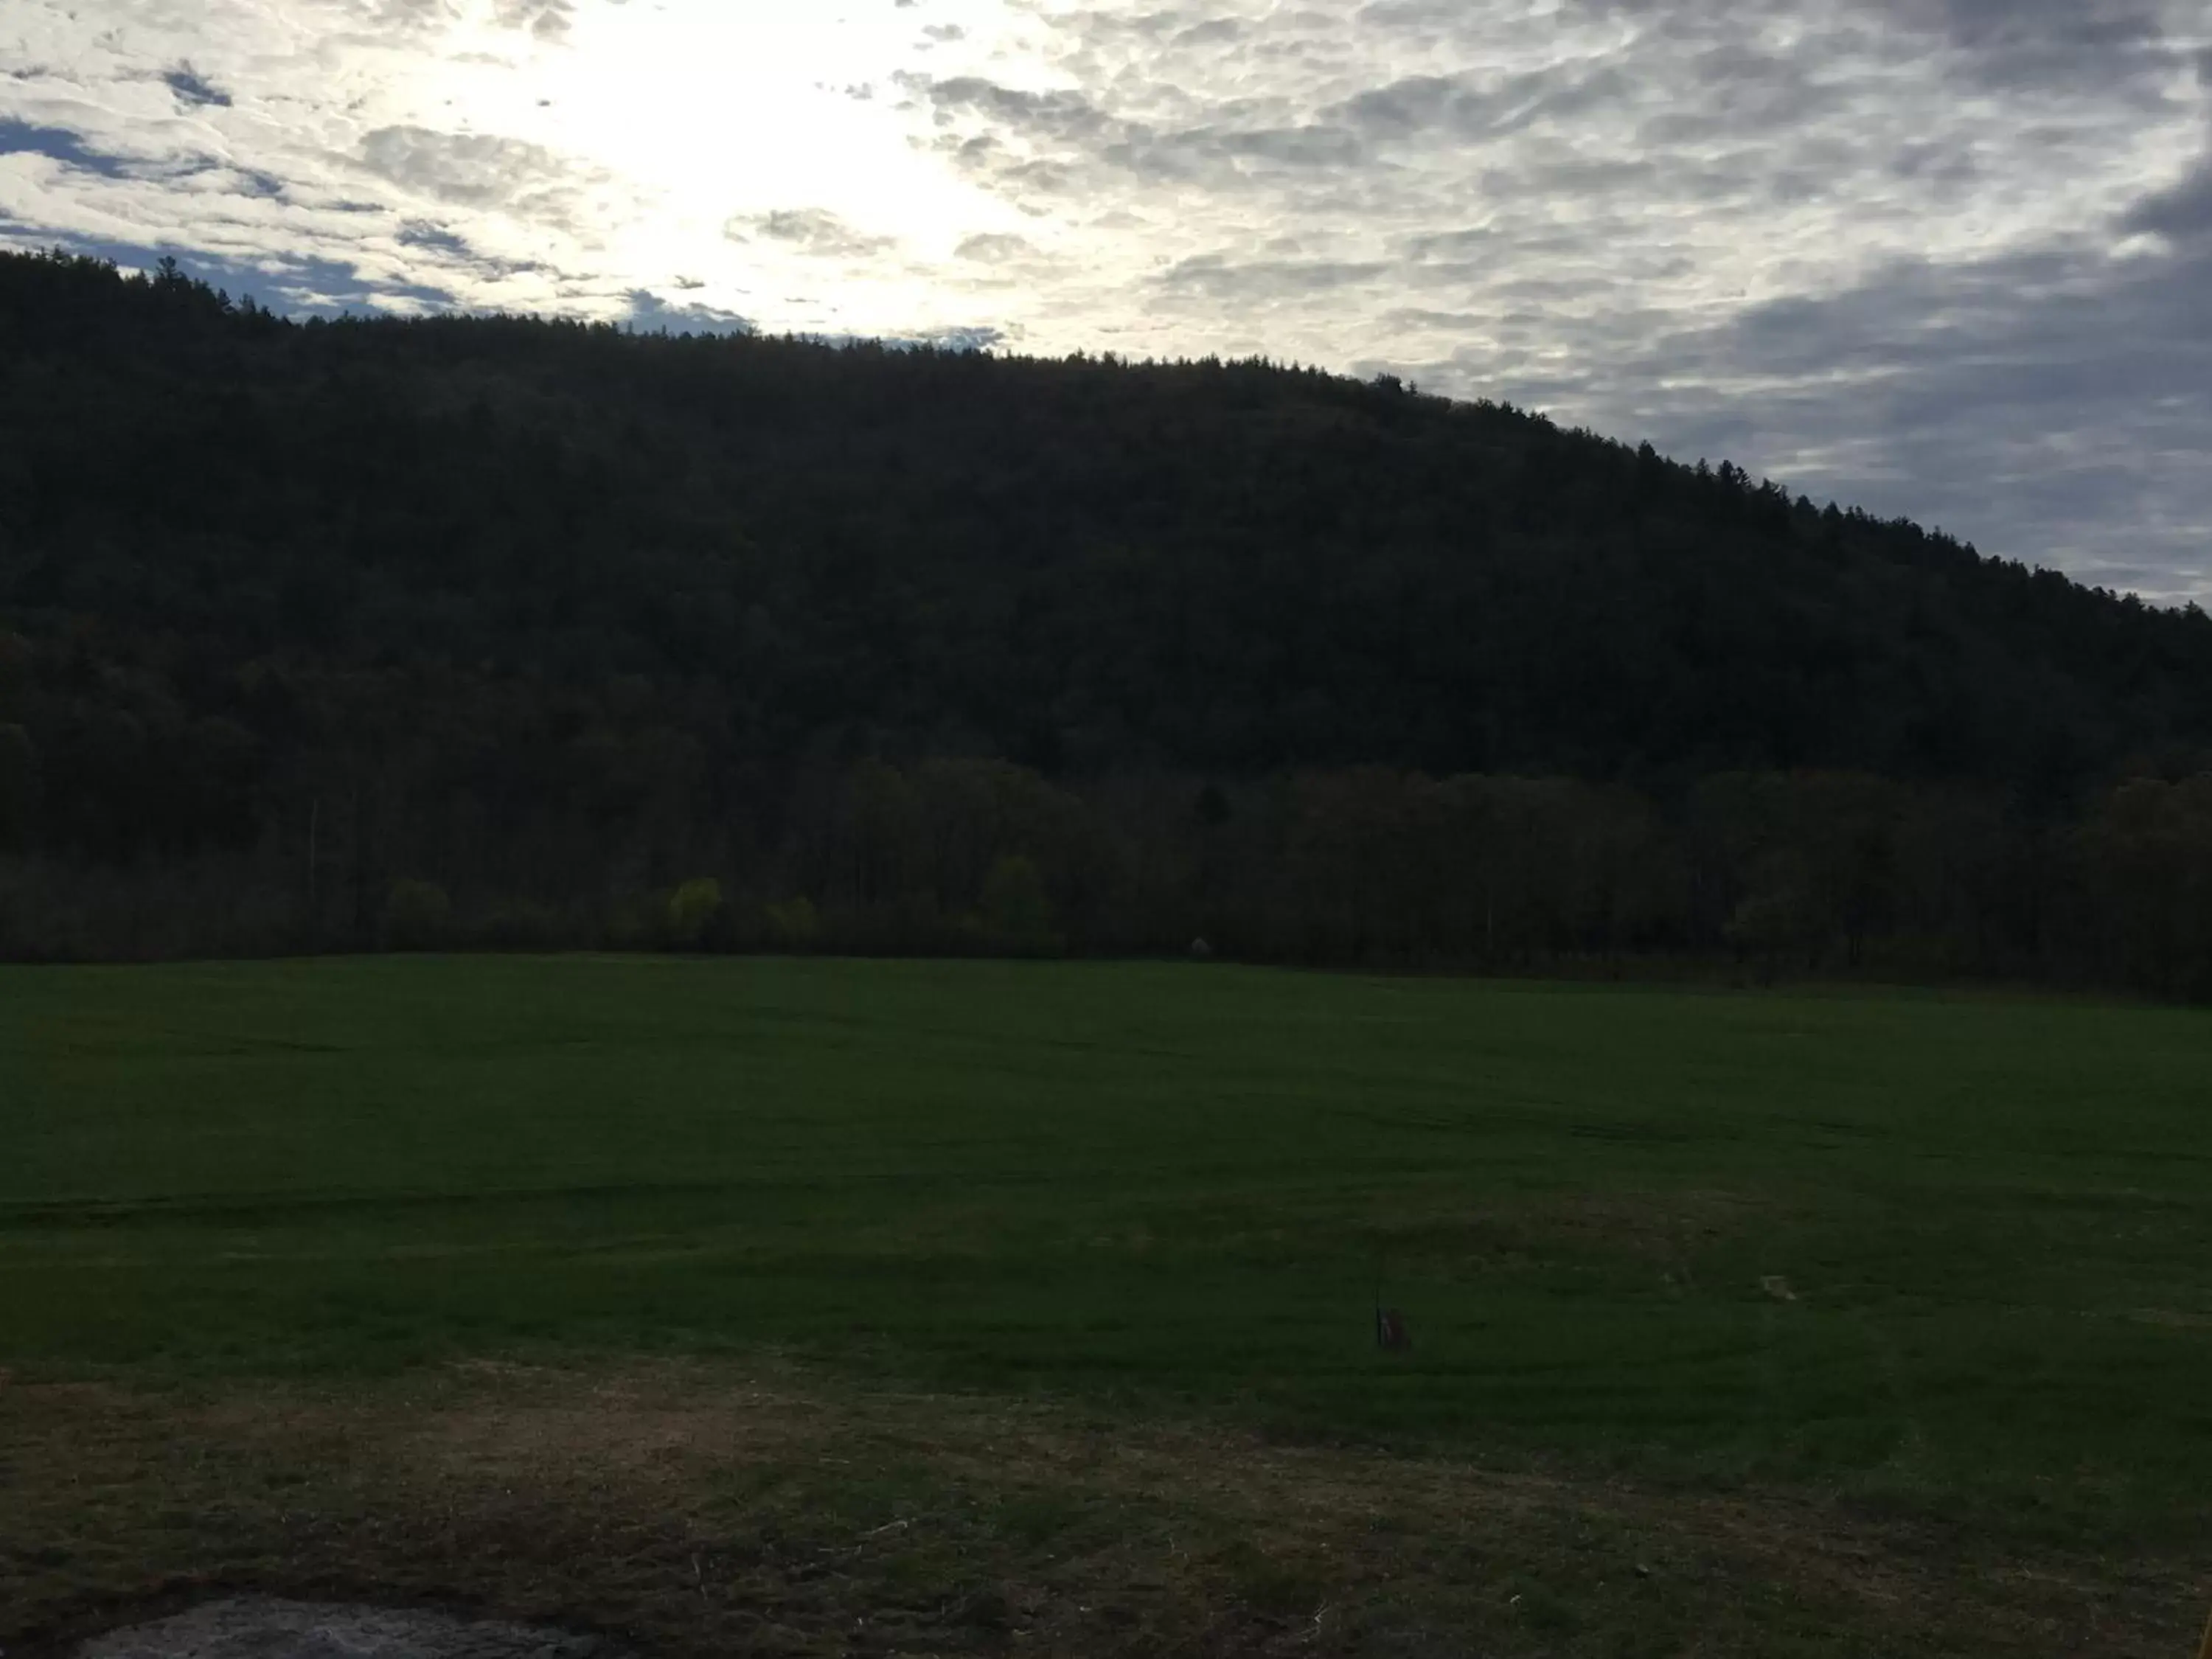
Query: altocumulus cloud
point(810, 231)
point(471, 170)
point(1946, 258)
point(1942, 257)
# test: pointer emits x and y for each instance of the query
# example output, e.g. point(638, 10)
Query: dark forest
point(500, 633)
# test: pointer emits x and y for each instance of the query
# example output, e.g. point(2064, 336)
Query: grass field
point(1942, 1259)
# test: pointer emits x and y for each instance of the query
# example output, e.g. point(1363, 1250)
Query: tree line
point(1760, 875)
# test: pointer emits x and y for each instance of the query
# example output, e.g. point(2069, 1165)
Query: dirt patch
point(2173, 1318)
point(686, 1509)
point(263, 1627)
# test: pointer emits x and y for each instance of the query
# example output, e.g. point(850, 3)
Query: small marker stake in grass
point(1390, 1333)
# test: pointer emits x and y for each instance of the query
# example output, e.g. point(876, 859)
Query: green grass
point(1952, 1252)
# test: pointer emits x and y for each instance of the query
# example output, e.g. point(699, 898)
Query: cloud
point(994, 248)
point(2182, 212)
point(810, 231)
point(2031, 43)
point(193, 90)
point(547, 19)
point(21, 138)
point(1218, 276)
point(1476, 106)
point(468, 169)
point(1938, 256)
point(457, 254)
point(971, 337)
point(415, 234)
point(648, 312)
point(188, 170)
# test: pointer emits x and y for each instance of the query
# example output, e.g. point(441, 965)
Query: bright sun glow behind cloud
point(714, 114)
point(744, 155)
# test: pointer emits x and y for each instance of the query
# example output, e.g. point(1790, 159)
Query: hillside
point(597, 604)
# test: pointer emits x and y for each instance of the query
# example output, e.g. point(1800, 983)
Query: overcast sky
point(1945, 257)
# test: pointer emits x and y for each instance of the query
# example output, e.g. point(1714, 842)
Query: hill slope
point(534, 572)
point(1228, 566)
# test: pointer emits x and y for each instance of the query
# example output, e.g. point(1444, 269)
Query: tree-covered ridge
point(1084, 563)
point(545, 614)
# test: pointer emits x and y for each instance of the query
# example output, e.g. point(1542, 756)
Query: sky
point(1946, 259)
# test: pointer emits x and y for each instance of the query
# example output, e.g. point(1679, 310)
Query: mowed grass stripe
point(1949, 1248)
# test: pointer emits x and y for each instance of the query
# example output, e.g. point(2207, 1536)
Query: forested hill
point(1085, 565)
point(523, 586)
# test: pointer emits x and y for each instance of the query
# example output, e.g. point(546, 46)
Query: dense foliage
point(492, 629)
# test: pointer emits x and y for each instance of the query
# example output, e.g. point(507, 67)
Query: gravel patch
point(261, 1627)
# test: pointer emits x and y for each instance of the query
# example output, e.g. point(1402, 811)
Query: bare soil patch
point(266, 1627)
point(695, 1508)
